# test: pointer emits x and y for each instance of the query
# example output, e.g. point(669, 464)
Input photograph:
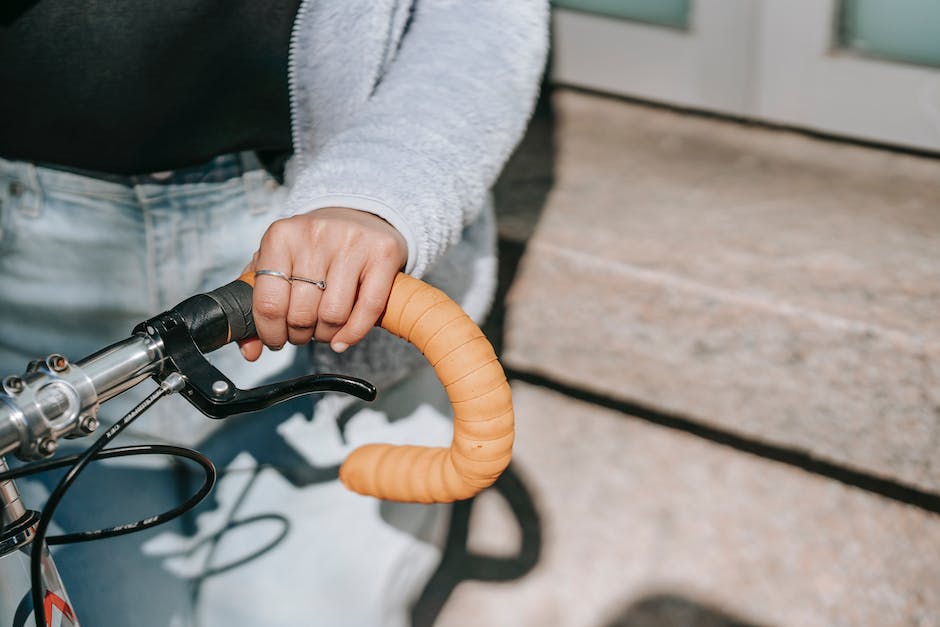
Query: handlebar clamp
point(51, 400)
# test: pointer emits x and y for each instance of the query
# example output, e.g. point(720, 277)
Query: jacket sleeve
point(432, 138)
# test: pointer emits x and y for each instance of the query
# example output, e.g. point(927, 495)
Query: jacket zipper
point(292, 80)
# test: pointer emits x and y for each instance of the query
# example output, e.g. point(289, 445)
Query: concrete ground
point(646, 526)
point(726, 364)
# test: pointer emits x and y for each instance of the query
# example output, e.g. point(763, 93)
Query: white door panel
point(705, 67)
point(776, 60)
point(804, 80)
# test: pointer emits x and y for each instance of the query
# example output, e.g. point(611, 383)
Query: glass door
point(866, 69)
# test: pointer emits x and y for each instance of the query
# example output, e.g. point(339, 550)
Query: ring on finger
point(321, 283)
point(276, 273)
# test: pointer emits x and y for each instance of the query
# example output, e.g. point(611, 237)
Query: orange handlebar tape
point(476, 385)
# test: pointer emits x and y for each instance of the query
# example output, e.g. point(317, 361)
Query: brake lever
point(214, 394)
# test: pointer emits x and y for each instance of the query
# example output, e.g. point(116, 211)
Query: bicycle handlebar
point(55, 398)
point(218, 317)
point(467, 367)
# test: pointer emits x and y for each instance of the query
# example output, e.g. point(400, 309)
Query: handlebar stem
point(11, 507)
point(55, 398)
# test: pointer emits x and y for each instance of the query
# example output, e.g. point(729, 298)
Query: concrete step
point(645, 526)
point(778, 286)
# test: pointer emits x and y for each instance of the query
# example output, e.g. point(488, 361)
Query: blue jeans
point(82, 261)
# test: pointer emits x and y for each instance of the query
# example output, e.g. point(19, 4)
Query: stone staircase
point(762, 288)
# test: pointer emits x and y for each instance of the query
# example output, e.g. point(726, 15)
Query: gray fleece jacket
point(408, 109)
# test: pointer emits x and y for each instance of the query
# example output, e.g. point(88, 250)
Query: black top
point(136, 86)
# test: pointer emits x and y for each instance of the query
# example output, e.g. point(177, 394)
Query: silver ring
point(279, 275)
point(321, 283)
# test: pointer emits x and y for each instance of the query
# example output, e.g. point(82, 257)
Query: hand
point(358, 254)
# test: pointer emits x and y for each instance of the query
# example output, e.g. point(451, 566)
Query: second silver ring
point(319, 283)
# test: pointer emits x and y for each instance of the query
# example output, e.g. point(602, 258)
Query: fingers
point(302, 314)
point(370, 303)
point(305, 301)
point(272, 293)
point(337, 302)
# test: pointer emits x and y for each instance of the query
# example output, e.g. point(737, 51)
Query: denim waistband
point(217, 170)
point(26, 184)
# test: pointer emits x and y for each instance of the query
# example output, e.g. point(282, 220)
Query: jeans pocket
point(265, 196)
point(19, 203)
point(6, 216)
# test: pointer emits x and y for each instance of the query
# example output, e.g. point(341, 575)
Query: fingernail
point(244, 352)
point(339, 347)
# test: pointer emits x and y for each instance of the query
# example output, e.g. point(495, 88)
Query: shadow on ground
point(670, 610)
point(459, 564)
point(519, 197)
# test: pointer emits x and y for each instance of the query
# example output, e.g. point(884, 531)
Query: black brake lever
point(214, 394)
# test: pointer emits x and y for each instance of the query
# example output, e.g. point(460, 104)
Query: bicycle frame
point(16, 545)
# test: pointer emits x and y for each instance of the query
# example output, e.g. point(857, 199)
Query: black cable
point(125, 451)
point(150, 521)
point(35, 559)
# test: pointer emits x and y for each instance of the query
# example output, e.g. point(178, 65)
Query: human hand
point(356, 253)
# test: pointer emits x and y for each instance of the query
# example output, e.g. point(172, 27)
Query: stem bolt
point(14, 384)
point(57, 363)
point(47, 446)
point(88, 424)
